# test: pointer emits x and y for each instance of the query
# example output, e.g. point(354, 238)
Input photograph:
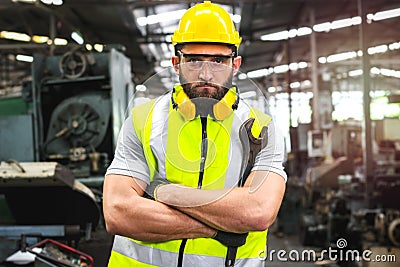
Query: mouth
point(205, 87)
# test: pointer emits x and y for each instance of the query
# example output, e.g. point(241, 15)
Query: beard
point(194, 90)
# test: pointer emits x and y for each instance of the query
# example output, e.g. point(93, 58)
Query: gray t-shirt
point(129, 156)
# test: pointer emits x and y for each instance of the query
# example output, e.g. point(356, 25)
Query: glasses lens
point(214, 62)
point(199, 65)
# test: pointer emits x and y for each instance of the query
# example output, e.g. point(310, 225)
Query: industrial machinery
point(54, 155)
point(79, 101)
point(337, 204)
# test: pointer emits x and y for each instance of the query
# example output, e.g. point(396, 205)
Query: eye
point(219, 60)
point(192, 59)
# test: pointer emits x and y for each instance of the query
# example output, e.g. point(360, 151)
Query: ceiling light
point(303, 31)
point(303, 65)
point(242, 76)
point(166, 63)
point(15, 36)
point(54, 2)
point(281, 68)
point(322, 60)
point(354, 73)
point(322, 27)
point(329, 59)
point(341, 56)
point(342, 23)
point(141, 88)
point(283, 35)
point(306, 83)
point(172, 15)
point(57, 2)
point(292, 33)
point(394, 46)
point(25, 1)
point(236, 18)
point(386, 14)
point(60, 41)
point(377, 49)
point(356, 20)
point(327, 26)
point(390, 73)
point(89, 47)
point(375, 70)
point(293, 66)
point(40, 39)
point(98, 47)
point(258, 73)
point(24, 58)
point(77, 38)
point(295, 85)
point(162, 17)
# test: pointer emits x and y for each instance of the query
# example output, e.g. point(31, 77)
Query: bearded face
point(206, 70)
point(209, 89)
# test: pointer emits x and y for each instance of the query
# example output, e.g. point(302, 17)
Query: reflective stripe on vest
point(172, 147)
point(129, 252)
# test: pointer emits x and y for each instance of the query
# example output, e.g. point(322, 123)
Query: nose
point(206, 73)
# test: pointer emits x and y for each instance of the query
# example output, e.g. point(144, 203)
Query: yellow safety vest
point(173, 149)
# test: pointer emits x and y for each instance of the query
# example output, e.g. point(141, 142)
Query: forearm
point(251, 208)
point(154, 222)
point(219, 209)
point(127, 213)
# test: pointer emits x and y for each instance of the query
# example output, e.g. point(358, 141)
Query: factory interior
point(328, 72)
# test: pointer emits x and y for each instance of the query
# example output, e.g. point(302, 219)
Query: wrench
point(251, 146)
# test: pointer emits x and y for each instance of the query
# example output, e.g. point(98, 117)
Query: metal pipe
point(21, 46)
point(314, 75)
point(288, 79)
point(366, 129)
point(52, 33)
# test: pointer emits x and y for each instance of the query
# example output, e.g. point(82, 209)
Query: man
point(182, 151)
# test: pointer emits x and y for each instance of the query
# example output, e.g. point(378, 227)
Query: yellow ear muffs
point(221, 110)
point(184, 105)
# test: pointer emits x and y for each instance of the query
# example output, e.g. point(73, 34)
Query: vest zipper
point(204, 144)
point(181, 250)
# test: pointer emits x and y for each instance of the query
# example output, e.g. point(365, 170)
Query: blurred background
point(327, 71)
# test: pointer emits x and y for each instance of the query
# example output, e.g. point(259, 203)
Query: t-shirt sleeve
point(129, 156)
point(272, 156)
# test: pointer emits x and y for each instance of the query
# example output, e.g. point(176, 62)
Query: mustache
point(202, 84)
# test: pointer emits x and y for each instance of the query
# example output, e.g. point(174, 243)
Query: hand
point(151, 189)
point(230, 239)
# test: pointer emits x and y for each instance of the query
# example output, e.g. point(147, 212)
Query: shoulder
point(142, 115)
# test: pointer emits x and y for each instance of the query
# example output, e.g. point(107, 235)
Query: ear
point(175, 63)
point(237, 61)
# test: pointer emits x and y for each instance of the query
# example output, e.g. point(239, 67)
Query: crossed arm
point(129, 214)
point(183, 212)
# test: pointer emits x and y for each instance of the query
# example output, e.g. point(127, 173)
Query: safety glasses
point(195, 62)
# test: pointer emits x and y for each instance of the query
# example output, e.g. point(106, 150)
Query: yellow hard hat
point(206, 23)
